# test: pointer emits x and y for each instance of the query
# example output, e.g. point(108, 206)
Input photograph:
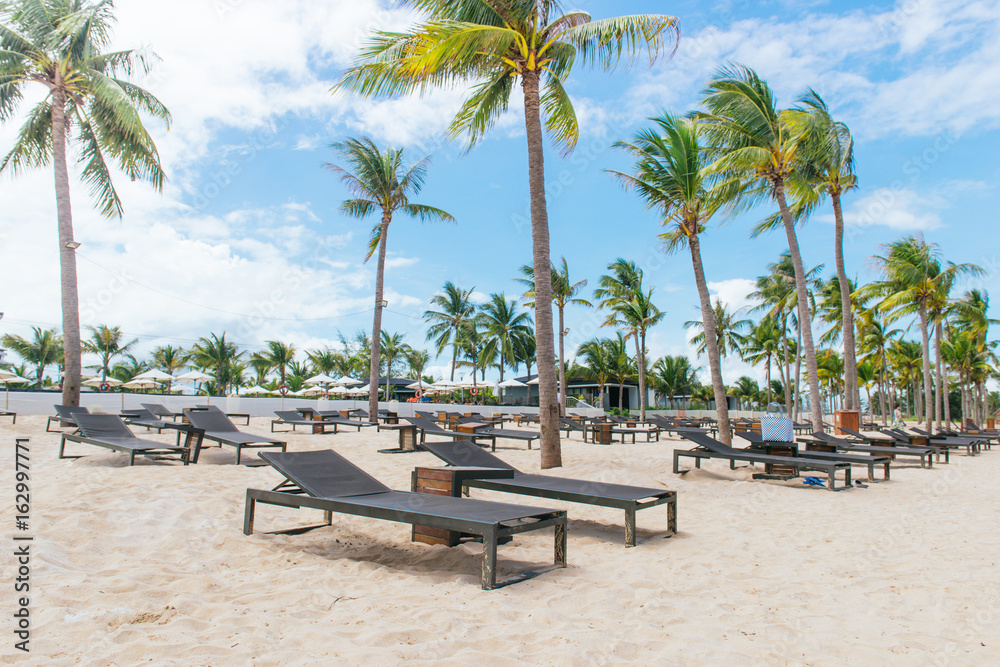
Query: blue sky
point(246, 237)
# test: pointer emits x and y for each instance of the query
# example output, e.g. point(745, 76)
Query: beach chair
point(335, 418)
point(245, 416)
point(64, 416)
point(162, 411)
point(971, 446)
point(924, 453)
point(217, 427)
point(427, 427)
point(293, 418)
point(463, 453)
point(143, 417)
point(110, 432)
point(571, 426)
point(509, 434)
point(326, 481)
point(710, 448)
point(956, 439)
point(870, 461)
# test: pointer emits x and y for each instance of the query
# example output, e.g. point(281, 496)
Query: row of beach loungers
point(327, 481)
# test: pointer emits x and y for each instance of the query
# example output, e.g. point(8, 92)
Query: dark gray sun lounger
point(973, 442)
point(971, 447)
point(925, 453)
point(710, 448)
point(509, 434)
point(161, 411)
point(110, 432)
point(218, 428)
point(293, 419)
point(327, 481)
point(428, 427)
point(145, 418)
point(756, 440)
point(333, 417)
point(463, 453)
point(64, 416)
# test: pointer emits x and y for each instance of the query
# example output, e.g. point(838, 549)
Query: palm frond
point(605, 41)
point(33, 147)
point(560, 118)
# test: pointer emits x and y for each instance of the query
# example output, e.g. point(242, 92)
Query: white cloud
point(899, 209)
point(734, 293)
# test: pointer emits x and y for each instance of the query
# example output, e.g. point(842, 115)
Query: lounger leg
point(630, 526)
point(131, 457)
point(490, 560)
point(886, 476)
point(248, 514)
point(560, 545)
point(239, 450)
point(871, 472)
point(328, 517)
point(672, 517)
point(62, 446)
point(676, 464)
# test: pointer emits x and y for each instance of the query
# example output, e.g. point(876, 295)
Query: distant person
point(897, 418)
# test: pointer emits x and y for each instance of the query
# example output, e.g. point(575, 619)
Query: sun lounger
point(293, 419)
point(509, 434)
point(110, 432)
point(327, 481)
point(162, 411)
point(987, 439)
point(710, 448)
point(961, 440)
point(427, 427)
point(64, 416)
point(218, 428)
point(971, 447)
point(756, 440)
point(334, 417)
point(245, 416)
point(463, 453)
point(143, 417)
point(925, 453)
point(569, 426)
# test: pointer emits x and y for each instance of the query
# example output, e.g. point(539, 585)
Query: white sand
point(149, 565)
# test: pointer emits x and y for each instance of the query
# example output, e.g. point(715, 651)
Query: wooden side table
point(447, 482)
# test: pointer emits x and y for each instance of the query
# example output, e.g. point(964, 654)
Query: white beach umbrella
point(157, 375)
point(7, 378)
point(194, 376)
point(535, 381)
point(322, 378)
point(346, 381)
point(514, 383)
point(7, 375)
point(309, 391)
point(141, 384)
point(97, 382)
point(253, 391)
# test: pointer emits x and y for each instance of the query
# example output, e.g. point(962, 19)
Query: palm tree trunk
point(67, 256)
point(640, 367)
point(548, 408)
point(562, 366)
point(805, 319)
point(711, 341)
point(926, 347)
point(768, 375)
point(851, 390)
point(798, 370)
point(787, 377)
point(939, 397)
point(373, 368)
point(454, 356)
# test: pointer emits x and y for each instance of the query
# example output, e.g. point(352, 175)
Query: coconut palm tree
point(42, 350)
point(621, 365)
point(454, 312)
point(763, 344)
point(912, 280)
point(502, 327)
point(170, 359)
point(129, 368)
point(874, 338)
point(728, 331)
point(393, 349)
point(492, 44)
point(281, 355)
point(380, 183)
point(220, 356)
point(758, 152)
point(867, 376)
point(106, 342)
point(564, 293)
point(597, 364)
point(674, 376)
point(670, 175)
point(631, 308)
point(261, 366)
point(61, 44)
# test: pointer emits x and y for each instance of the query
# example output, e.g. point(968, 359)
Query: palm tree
point(867, 376)
point(746, 388)
point(828, 168)
point(757, 154)
point(502, 327)
point(631, 308)
point(217, 354)
point(597, 365)
point(763, 344)
point(281, 355)
point(261, 365)
point(392, 349)
point(61, 45)
point(494, 43)
point(170, 359)
point(564, 293)
point(44, 349)
point(106, 342)
point(379, 183)
point(912, 280)
point(670, 176)
point(674, 376)
point(728, 331)
point(621, 365)
point(128, 369)
point(417, 360)
point(874, 338)
point(454, 311)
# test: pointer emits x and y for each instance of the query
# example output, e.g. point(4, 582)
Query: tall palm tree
point(61, 44)
point(729, 331)
point(597, 365)
point(495, 43)
point(392, 350)
point(380, 183)
point(107, 343)
point(220, 356)
point(828, 169)
point(564, 293)
point(629, 307)
point(912, 279)
point(261, 365)
point(43, 349)
point(503, 327)
point(763, 344)
point(454, 312)
point(281, 355)
point(674, 376)
point(417, 360)
point(758, 152)
point(874, 338)
point(170, 359)
point(129, 368)
point(621, 365)
point(670, 175)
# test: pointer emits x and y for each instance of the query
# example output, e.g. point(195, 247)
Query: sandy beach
point(149, 565)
